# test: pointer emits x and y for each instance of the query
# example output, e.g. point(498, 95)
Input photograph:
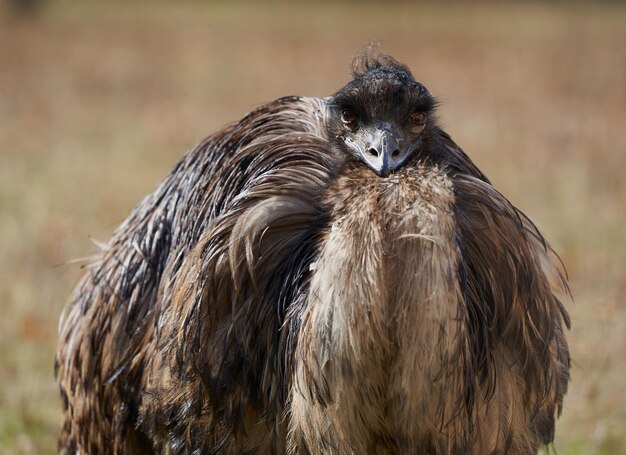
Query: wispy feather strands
point(274, 295)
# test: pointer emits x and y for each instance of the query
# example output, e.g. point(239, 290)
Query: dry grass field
point(98, 100)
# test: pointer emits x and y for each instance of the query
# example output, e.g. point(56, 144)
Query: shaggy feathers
point(274, 295)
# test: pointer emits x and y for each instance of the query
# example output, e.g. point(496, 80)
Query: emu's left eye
point(349, 119)
point(418, 122)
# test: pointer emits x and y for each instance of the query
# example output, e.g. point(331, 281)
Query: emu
point(327, 275)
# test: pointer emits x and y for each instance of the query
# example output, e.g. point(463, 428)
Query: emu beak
point(382, 150)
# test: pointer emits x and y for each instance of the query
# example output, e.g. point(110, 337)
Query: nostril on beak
point(395, 153)
point(373, 152)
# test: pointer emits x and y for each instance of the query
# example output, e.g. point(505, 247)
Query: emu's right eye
point(349, 119)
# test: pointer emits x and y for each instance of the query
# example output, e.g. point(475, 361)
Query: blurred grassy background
point(99, 99)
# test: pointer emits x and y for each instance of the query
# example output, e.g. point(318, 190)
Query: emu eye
point(418, 122)
point(349, 119)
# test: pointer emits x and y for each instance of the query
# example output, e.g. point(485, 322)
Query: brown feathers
point(274, 295)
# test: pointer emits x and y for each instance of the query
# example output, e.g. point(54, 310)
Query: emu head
point(382, 117)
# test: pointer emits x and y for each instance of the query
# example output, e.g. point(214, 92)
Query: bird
point(327, 275)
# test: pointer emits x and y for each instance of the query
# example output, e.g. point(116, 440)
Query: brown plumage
point(325, 276)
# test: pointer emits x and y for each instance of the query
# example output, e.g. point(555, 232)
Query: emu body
point(327, 275)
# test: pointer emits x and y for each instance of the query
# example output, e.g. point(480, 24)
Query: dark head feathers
point(369, 65)
point(368, 61)
point(379, 79)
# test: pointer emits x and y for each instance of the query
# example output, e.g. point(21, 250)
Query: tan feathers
point(275, 295)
